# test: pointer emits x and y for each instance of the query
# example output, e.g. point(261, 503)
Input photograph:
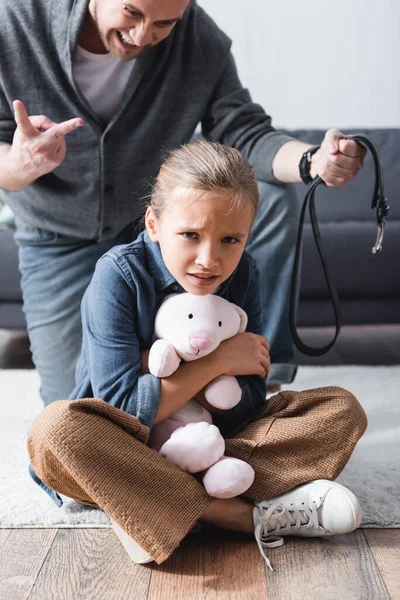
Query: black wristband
point(305, 163)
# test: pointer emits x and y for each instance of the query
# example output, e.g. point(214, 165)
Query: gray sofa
point(368, 285)
point(11, 315)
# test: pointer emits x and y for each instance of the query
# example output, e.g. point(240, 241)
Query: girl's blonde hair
point(208, 167)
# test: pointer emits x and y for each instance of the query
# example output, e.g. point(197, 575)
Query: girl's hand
point(244, 354)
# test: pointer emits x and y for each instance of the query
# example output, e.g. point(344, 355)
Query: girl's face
point(201, 237)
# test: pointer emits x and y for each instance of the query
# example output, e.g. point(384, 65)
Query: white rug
point(373, 472)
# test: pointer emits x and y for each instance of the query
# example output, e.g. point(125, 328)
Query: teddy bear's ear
point(243, 318)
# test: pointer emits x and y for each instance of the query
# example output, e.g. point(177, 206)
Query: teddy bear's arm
point(163, 359)
point(223, 392)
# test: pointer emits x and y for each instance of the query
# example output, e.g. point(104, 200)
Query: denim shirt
point(118, 313)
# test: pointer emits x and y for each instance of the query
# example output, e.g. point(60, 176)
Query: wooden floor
point(88, 563)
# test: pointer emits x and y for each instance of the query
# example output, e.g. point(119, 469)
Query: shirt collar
point(159, 272)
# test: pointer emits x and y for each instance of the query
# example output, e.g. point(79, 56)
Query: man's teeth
point(124, 39)
point(204, 276)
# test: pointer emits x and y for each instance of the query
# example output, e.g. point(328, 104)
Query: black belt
point(382, 209)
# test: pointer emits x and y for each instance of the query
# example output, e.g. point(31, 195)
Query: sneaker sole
point(136, 553)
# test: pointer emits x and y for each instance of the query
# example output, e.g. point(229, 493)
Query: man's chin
point(127, 55)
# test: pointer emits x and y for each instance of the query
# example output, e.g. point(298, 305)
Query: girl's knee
point(48, 427)
point(351, 411)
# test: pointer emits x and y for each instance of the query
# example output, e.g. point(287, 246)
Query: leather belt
point(378, 202)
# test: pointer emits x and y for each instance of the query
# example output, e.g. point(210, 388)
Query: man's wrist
point(305, 164)
point(314, 163)
point(10, 177)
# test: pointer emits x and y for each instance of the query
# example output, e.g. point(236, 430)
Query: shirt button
point(175, 288)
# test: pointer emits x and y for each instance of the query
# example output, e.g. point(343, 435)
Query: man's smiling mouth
point(125, 39)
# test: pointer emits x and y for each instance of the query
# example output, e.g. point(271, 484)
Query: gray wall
point(317, 63)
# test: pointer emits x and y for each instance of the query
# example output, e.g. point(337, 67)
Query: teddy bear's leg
point(229, 477)
point(194, 447)
point(191, 412)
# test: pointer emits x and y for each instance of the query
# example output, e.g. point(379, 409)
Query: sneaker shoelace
point(277, 518)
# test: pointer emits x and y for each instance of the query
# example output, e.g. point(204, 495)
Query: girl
point(94, 449)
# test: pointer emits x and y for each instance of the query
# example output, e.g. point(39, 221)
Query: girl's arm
point(113, 354)
point(254, 388)
point(184, 384)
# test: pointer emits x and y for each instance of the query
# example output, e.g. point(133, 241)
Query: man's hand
point(338, 160)
point(38, 146)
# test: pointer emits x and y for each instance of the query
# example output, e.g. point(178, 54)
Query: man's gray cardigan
point(189, 77)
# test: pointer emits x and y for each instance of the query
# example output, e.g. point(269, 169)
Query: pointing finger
point(22, 120)
point(64, 128)
point(41, 122)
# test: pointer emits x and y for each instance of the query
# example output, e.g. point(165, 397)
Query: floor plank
point(211, 566)
point(90, 564)
point(21, 557)
point(325, 568)
point(385, 547)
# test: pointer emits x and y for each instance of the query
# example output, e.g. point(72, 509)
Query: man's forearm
point(8, 179)
point(286, 162)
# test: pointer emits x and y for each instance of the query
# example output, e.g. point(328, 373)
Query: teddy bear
point(188, 327)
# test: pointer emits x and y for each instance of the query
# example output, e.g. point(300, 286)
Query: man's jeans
point(272, 243)
point(56, 271)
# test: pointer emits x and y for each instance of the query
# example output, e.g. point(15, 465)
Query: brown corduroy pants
point(97, 454)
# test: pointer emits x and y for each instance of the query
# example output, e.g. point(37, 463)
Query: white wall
point(317, 63)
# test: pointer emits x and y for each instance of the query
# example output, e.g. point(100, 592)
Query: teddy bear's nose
point(199, 343)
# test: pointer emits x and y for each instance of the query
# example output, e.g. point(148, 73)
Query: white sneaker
point(137, 554)
point(314, 509)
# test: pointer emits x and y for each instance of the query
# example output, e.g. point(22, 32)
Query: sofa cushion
point(353, 201)
point(9, 275)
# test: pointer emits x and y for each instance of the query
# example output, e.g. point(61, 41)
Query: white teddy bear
point(189, 327)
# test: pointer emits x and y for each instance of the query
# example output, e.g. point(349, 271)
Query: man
point(125, 80)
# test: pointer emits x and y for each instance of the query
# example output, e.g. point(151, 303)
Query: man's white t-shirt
point(102, 79)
